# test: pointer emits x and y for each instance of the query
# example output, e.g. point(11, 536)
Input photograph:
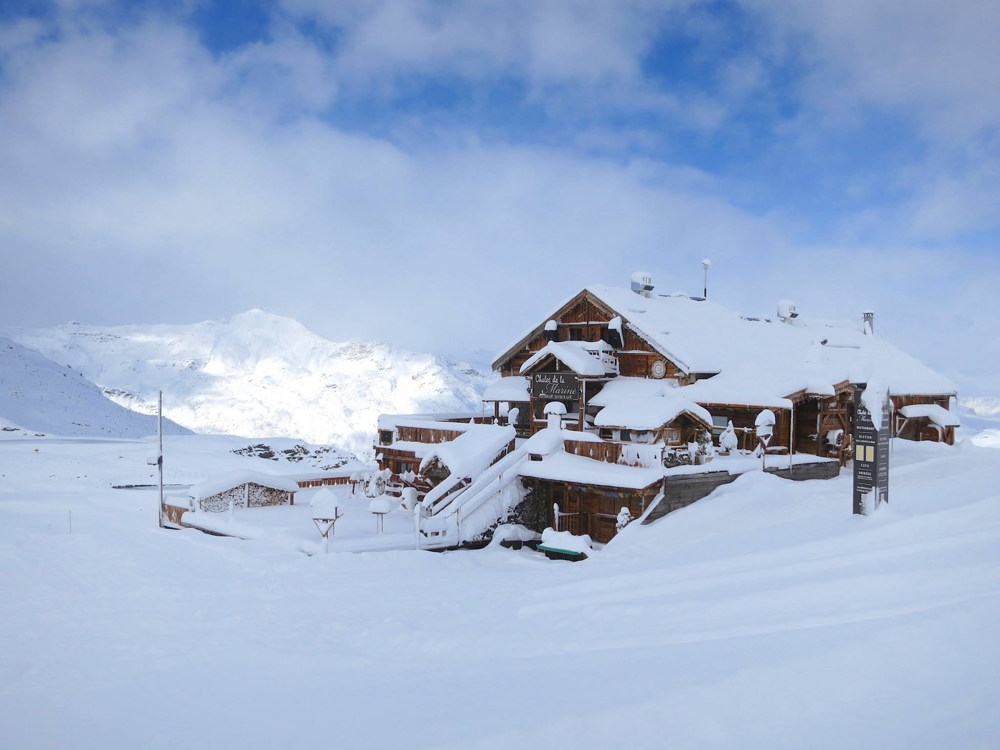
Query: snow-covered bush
point(728, 441)
point(705, 443)
point(376, 483)
point(624, 518)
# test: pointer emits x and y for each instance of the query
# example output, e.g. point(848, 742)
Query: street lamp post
point(705, 264)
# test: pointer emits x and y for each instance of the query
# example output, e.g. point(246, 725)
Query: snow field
point(763, 616)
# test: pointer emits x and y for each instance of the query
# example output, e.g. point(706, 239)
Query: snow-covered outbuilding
point(243, 490)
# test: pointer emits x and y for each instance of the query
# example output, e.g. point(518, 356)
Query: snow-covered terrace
point(292, 525)
point(565, 467)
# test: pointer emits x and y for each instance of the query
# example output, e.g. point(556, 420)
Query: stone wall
point(683, 489)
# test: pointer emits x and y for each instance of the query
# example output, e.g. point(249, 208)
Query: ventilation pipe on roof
point(615, 336)
point(554, 412)
point(642, 283)
point(868, 320)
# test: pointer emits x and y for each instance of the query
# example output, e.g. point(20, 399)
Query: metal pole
point(791, 438)
point(159, 461)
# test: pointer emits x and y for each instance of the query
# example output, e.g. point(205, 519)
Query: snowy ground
point(765, 616)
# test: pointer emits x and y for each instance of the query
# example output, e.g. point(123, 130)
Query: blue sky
point(441, 175)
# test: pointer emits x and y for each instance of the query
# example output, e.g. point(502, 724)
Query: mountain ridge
point(258, 374)
point(40, 395)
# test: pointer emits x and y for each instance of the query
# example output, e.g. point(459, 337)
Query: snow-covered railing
point(458, 518)
point(609, 361)
point(645, 455)
point(488, 485)
point(442, 493)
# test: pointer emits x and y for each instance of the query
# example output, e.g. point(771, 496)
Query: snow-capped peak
point(258, 374)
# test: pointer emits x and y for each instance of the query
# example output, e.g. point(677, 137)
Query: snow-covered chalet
point(623, 398)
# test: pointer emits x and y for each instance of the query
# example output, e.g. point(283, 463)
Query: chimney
point(554, 412)
point(868, 319)
point(551, 331)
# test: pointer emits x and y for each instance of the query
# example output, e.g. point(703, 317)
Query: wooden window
point(385, 437)
point(672, 436)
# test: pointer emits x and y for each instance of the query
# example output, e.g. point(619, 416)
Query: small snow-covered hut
point(243, 490)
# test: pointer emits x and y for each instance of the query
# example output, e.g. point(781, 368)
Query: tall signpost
point(871, 454)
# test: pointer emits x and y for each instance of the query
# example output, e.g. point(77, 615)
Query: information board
point(871, 454)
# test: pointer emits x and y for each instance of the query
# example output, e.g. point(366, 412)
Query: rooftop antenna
point(705, 264)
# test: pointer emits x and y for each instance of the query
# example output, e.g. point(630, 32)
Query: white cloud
point(937, 60)
point(143, 178)
point(553, 41)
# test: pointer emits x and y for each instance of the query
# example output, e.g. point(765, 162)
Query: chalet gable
point(587, 359)
point(587, 318)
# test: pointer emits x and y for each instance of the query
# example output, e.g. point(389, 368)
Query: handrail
point(491, 486)
point(457, 505)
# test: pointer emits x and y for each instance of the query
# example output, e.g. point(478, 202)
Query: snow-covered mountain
point(39, 395)
point(258, 374)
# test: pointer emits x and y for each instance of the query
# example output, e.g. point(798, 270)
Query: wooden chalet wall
point(594, 509)
point(817, 416)
point(898, 402)
point(743, 418)
point(920, 429)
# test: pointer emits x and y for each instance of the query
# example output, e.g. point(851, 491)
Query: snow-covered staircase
point(455, 513)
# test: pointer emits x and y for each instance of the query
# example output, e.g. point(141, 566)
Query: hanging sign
point(555, 386)
point(871, 455)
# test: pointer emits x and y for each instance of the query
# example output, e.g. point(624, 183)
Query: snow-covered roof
point(347, 470)
point(550, 439)
point(436, 421)
point(761, 361)
point(225, 482)
point(650, 412)
point(471, 452)
point(512, 388)
point(935, 413)
point(566, 467)
point(626, 388)
point(582, 357)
